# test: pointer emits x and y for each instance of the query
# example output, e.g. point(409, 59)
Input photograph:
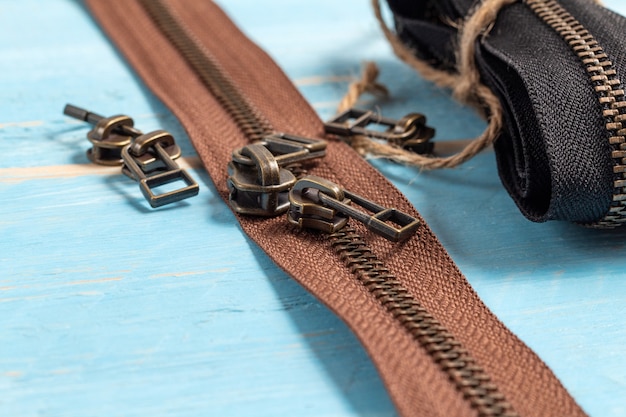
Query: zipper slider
point(306, 209)
point(261, 187)
point(146, 158)
point(108, 136)
point(410, 132)
point(258, 181)
point(320, 204)
point(155, 145)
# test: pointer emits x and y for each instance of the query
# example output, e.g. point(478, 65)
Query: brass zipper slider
point(146, 158)
point(156, 145)
point(320, 204)
point(409, 132)
point(258, 181)
point(108, 136)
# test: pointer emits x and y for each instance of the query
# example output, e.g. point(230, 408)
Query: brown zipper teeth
point(253, 125)
point(461, 368)
point(469, 378)
point(608, 88)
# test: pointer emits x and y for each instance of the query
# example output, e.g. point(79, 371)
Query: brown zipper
point(440, 351)
point(608, 88)
point(462, 370)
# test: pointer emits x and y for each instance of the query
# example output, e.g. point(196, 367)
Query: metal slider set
point(409, 132)
point(147, 158)
point(261, 184)
point(258, 181)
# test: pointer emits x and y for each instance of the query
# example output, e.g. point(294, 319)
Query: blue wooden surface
point(110, 308)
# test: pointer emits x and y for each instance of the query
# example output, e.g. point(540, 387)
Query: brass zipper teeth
point(462, 370)
point(468, 377)
point(250, 121)
point(608, 89)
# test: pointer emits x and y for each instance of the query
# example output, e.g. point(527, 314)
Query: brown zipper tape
point(416, 384)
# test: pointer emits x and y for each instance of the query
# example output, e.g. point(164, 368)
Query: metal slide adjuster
point(258, 182)
point(409, 132)
point(161, 170)
point(323, 205)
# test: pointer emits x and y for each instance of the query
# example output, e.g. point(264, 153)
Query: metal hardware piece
point(320, 204)
point(258, 182)
point(260, 187)
point(410, 132)
point(150, 162)
point(110, 135)
point(306, 209)
point(287, 149)
point(155, 143)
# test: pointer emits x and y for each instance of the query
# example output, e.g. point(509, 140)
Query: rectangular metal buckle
point(154, 142)
point(157, 200)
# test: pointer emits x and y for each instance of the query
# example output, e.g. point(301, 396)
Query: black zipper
point(608, 89)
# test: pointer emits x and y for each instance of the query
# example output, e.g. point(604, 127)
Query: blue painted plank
point(110, 307)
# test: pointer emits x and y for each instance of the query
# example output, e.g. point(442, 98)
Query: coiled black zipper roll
point(556, 67)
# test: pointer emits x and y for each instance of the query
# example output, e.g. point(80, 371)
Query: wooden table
point(109, 307)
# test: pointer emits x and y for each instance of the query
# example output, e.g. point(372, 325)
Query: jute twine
point(465, 84)
point(367, 84)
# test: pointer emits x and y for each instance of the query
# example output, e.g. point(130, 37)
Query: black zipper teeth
point(249, 120)
point(609, 91)
point(461, 368)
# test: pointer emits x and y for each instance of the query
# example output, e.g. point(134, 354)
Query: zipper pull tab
point(321, 204)
point(108, 136)
point(161, 170)
point(410, 132)
point(258, 182)
point(287, 149)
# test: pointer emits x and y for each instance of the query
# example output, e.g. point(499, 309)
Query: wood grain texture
point(111, 308)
